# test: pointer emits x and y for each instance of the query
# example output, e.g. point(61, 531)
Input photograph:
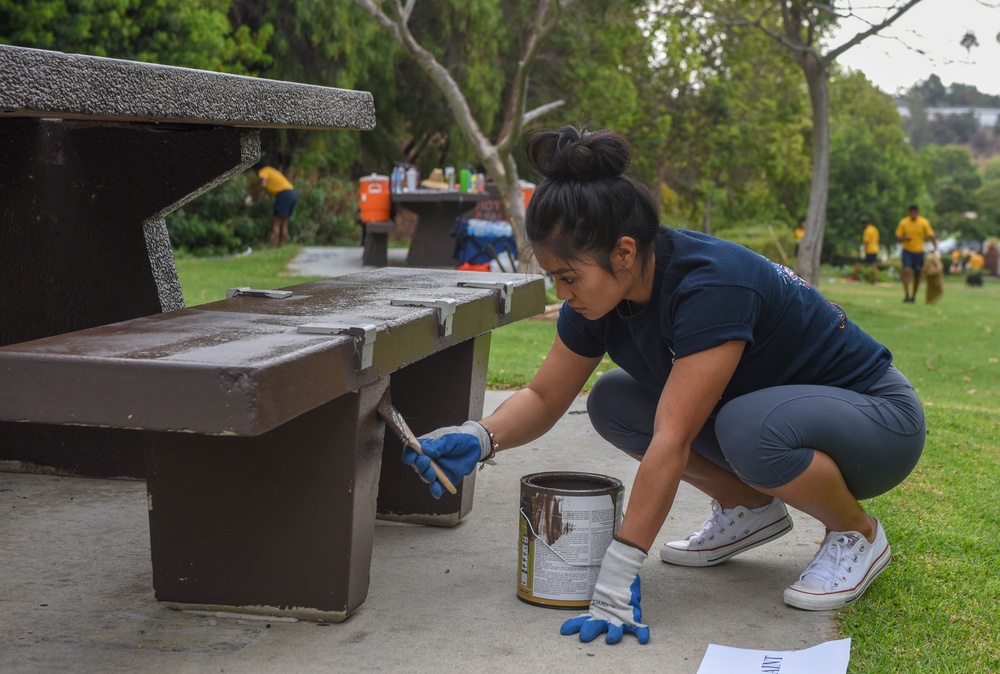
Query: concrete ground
point(336, 261)
point(76, 587)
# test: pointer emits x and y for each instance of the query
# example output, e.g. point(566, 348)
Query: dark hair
point(913, 207)
point(585, 202)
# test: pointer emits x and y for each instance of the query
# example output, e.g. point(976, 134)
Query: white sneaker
point(727, 533)
point(841, 571)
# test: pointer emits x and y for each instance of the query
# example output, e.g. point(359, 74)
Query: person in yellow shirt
point(799, 232)
point(277, 185)
point(912, 232)
point(869, 240)
point(956, 261)
point(974, 279)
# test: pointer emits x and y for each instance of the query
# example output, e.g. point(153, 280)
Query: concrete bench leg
point(376, 251)
point(278, 524)
point(444, 389)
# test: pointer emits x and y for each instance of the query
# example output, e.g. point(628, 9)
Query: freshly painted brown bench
point(259, 443)
point(96, 151)
point(265, 459)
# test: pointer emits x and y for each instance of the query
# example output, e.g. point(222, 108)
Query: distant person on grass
point(912, 232)
point(735, 376)
point(975, 275)
point(277, 185)
point(799, 233)
point(869, 242)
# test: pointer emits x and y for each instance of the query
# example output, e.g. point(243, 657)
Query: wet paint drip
point(567, 521)
point(546, 517)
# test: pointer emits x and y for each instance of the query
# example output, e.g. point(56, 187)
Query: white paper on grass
point(830, 657)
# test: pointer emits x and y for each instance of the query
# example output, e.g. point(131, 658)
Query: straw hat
point(435, 181)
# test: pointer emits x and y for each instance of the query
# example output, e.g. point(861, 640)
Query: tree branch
point(376, 13)
point(831, 55)
point(543, 22)
point(757, 23)
point(400, 32)
point(541, 110)
point(408, 10)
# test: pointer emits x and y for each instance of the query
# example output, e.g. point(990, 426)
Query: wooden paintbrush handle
point(442, 478)
point(395, 420)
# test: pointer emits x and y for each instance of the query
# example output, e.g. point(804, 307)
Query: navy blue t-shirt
point(708, 291)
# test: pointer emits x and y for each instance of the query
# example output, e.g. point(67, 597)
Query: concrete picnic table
point(96, 152)
point(432, 244)
point(253, 419)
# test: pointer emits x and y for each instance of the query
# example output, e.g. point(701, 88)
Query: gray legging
point(767, 437)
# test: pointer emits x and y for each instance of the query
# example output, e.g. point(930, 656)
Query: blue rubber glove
point(456, 449)
point(614, 607)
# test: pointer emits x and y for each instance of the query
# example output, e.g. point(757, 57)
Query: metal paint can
point(567, 521)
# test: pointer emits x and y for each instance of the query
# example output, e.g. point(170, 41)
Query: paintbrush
point(394, 420)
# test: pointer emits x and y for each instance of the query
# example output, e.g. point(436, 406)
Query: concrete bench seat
point(263, 450)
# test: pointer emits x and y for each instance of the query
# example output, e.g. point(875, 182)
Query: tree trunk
point(509, 184)
point(496, 158)
point(799, 32)
point(808, 261)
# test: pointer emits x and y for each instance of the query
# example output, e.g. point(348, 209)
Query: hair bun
point(572, 153)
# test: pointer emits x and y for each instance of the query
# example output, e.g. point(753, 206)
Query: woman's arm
point(532, 411)
point(692, 391)
point(521, 418)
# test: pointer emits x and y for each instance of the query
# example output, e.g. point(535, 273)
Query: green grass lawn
point(206, 279)
point(937, 606)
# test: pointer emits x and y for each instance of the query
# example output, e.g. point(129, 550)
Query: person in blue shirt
point(734, 375)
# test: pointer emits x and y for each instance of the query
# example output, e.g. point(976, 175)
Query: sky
point(889, 58)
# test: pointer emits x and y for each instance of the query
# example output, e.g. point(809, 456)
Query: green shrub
point(219, 222)
point(768, 241)
point(327, 214)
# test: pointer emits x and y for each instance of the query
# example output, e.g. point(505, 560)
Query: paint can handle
point(538, 538)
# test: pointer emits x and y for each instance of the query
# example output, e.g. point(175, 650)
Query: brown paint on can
point(566, 523)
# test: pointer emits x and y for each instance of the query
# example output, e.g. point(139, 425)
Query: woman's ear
point(625, 253)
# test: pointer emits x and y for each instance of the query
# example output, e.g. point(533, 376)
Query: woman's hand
point(456, 450)
point(615, 606)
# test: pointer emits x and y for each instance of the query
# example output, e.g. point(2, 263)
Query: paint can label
point(563, 538)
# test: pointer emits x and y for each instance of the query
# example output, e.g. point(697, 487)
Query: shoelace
point(712, 525)
point(828, 566)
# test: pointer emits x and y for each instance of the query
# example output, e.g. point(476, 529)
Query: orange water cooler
point(374, 198)
point(527, 189)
